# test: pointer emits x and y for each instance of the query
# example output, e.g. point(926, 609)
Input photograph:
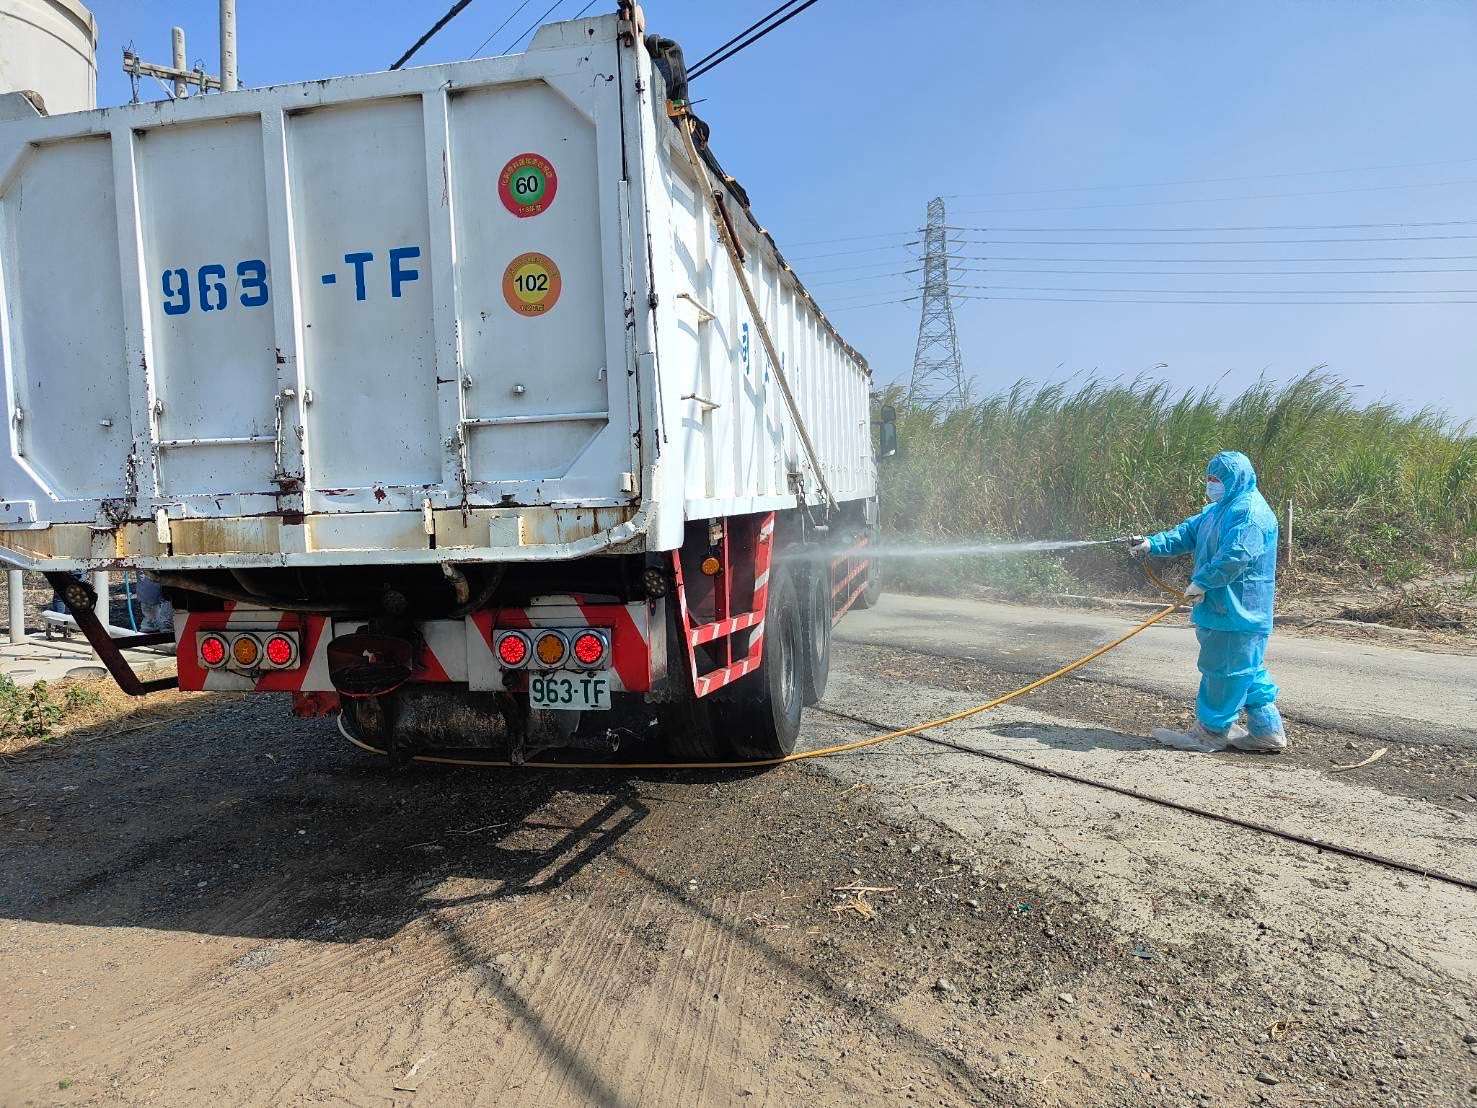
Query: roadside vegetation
point(31, 714)
point(1383, 499)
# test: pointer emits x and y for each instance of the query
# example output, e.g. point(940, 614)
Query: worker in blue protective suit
point(1234, 539)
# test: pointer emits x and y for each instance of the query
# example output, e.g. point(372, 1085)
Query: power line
point(1232, 292)
point(534, 26)
point(861, 250)
point(1187, 230)
point(1222, 199)
point(1128, 242)
point(871, 277)
point(1203, 261)
point(1099, 300)
point(698, 71)
point(881, 303)
point(1201, 242)
point(539, 22)
point(496, 30)
point(711, 54)
point(913, 231)
point(857, 238)
point(1183, 272)
point(1259, 303)
point(451, 13)
point(1219, 180)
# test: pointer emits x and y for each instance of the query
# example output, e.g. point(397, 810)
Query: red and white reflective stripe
point(629, 627)
point(454, 650)
point(707, 632)
point(703, 684)
point(312, 673)
point(858, 566)
point(725, 676)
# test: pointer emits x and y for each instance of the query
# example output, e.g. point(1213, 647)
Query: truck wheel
point(766, 704)
point(819, 611)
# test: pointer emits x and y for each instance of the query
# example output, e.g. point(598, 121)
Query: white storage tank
point(49, 47)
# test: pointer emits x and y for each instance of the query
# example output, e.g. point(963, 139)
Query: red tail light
point(280, 651)
point(590, 648)
point(212, 649)
point(513, 648)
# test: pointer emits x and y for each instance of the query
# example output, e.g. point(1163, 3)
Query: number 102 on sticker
point(531, 284)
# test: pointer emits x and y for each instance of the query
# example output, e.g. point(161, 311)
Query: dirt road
point(1364, 688)
point(236, 908)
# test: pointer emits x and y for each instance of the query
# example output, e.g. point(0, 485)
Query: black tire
point(763, 717)
point(819, 613)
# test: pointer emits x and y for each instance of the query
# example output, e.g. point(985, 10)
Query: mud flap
point(544, 730)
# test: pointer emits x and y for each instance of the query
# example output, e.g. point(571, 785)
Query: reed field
point(1381, 496)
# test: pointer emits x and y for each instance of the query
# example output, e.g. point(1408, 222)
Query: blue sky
point(1028, 115)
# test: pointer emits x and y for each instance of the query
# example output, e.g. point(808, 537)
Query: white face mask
point(1214, 490)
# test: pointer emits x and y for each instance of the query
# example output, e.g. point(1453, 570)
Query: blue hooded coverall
point(1235, 546)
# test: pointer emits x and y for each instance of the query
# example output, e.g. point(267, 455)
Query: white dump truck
point(469, 402)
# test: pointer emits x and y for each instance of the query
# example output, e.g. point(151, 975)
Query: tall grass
point(1377, 491)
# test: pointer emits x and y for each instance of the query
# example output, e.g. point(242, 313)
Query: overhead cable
point(914, 232)
point(1218, 180)
point(711, 54)
point(1230, 292)
point(1257, 273)
point(498, 29)
point(534, 26)
point(1206, 261)
point(1199, 242)
point(698, 71)
point(451, 13)
point(1186, 230)
point(1259, 303)
point(1220, 199)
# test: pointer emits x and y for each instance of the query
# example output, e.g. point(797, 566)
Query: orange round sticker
point(531, 284)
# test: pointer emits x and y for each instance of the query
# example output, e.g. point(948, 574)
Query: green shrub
point(27, 713)
point(1377, 491)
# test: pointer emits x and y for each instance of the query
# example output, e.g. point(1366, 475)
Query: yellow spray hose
point(1178, 598)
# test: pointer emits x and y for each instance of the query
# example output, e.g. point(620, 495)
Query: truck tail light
point(246, 651)
point(281, 651)
point(591, 648)
point(513, 649)
point(212, 650)
point(551, 648)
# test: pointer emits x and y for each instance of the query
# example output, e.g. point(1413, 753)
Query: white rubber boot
point(1200, 738)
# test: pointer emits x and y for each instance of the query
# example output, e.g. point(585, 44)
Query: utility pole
point(228, 46)
point(938, 370)
point(181, 78)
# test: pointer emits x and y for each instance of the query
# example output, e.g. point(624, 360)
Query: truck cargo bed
point(403, 317)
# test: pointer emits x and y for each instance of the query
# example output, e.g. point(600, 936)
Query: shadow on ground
point(241, 820)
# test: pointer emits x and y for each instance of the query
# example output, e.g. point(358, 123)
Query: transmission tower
point(938, 372)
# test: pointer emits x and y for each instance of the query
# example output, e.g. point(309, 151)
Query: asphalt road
point(1381, 692)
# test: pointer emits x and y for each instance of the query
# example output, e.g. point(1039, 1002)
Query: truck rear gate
point(284, 325)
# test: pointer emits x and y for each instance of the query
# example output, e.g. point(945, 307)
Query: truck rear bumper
point(454, 651)
point(376, 538)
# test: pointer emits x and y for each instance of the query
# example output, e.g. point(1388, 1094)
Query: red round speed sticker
point(527, 185)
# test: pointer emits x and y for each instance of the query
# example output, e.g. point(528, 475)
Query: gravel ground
point(209, 902)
